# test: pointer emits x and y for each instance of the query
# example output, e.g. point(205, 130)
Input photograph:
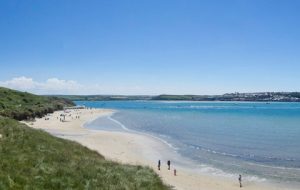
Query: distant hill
point(185, 97)
point(23, 105)
point(102, 97)
point(255, 97)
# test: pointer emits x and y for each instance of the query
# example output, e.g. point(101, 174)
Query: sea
point(260, 140)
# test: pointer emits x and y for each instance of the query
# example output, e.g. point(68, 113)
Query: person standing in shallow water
point(169, 164)
point(158, 165)
point(240, 180)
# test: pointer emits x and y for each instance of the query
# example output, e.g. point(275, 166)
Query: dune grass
point(33, 159)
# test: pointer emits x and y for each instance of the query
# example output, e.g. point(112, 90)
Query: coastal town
point(253, 97)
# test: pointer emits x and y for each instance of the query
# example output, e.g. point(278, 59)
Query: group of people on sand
point(175, 171)
point(169, 166)
point(62, 117)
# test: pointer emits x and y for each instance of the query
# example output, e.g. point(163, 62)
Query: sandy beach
point(130, 148)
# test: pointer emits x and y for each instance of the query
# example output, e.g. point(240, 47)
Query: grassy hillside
point(22, 105)
point(33, 159)
point(173, 97)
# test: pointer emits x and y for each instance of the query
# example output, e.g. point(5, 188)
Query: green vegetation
point(102, 97)
point(22, 105)
point(255, 97)
point(33, 159)
point(185, 97)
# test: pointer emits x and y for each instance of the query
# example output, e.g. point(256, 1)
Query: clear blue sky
point(150, 46)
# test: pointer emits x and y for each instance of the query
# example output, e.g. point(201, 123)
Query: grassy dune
point(33, 159)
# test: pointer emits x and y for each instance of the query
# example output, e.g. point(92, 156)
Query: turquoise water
point(255, 139)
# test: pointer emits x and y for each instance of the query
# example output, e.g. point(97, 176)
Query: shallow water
point(259, 140)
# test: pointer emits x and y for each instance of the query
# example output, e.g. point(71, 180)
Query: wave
point(218, 172)
point(251, 157)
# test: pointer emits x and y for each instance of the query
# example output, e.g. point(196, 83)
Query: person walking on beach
point(175, 172)
point(240, 180)
point(158, 165)
point(169, 164)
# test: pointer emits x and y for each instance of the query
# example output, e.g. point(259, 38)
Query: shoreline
point(130, 148)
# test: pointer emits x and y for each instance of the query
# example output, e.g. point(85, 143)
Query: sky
point(150, 47)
